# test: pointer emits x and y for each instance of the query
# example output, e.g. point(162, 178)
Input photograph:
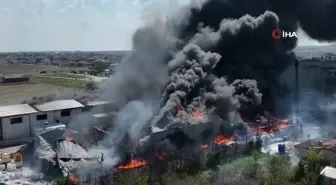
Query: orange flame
point(220, 139)
point(197, 113)
point(204, 146)
point(132, 164)
point(68, 137)
point(160, 155)
point(284, 120)
point(269, 129)
point(74, 179)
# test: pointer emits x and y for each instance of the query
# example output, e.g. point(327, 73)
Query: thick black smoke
point(231, 39)
point(248, 51)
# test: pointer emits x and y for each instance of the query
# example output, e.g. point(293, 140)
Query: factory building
point(18, 123)
point(57, 111)
point(15, 121)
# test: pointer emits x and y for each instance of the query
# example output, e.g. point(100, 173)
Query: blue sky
point(44, 25)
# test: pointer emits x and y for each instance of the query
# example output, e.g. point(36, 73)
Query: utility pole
point(100, 162)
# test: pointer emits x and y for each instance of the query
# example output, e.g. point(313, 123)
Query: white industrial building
point(19, 122)
point(57, 111)
point(16, 121)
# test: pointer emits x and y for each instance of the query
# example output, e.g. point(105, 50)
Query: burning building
point(206, 72)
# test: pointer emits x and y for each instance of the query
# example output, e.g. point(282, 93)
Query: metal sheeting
point(68, 166)
point(15, 110)
point(70, 150)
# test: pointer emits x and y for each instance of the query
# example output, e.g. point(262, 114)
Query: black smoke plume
point(219, 39)
point(245, 44)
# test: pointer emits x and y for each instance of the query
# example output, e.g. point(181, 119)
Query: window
point(65, 113)
point(16, 120)
point(41, 117)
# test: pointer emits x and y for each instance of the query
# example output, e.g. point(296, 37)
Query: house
point(58, 111)
point(330, 174)
point(327, 147)
point(15, 121)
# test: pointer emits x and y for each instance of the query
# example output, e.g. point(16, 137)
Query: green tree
point(314, 159)
point(65, 181)
point(258, 144)
point(299, 171)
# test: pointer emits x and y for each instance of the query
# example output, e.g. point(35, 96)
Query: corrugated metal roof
point(58, 105)
point(14, 110)
point(329, 172)
point(70, 150)
point(96, 103)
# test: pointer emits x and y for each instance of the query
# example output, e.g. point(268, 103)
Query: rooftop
point(58, 105)
point(95, 103)
point(16, 110)
point(318, 144)
point(102, 115)
point(329, 172)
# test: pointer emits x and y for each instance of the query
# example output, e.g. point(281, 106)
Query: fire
point(160, 155)
point(132, 164)
point(179, 107)
point(68, 137)
point(282, 126)
point(268, 129)
point(204, 146)
point(197, 113)
point(220, 139)
point(74, 179)
point(284, 120)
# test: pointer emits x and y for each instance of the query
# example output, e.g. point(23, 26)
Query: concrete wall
point(66, 120)
point(16, 131)
point(329, 155)
point(300, 152)
point(50, 118)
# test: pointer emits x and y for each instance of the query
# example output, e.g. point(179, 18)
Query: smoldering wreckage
point(188, 83)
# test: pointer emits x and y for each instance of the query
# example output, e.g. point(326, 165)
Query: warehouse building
point(57, 111)
point(15, 121)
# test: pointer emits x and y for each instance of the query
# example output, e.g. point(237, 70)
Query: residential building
point(327, 147)
point(57, 111)
point(15, 121)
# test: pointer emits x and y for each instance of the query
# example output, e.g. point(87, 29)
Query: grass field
point(59, 81)
point(7, 69)
point(16, 93)
point(55, 81)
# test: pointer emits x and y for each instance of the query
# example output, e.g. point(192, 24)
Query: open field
point(7, 69)
point(51, 82)
point(16, 93)
point(59, 81)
